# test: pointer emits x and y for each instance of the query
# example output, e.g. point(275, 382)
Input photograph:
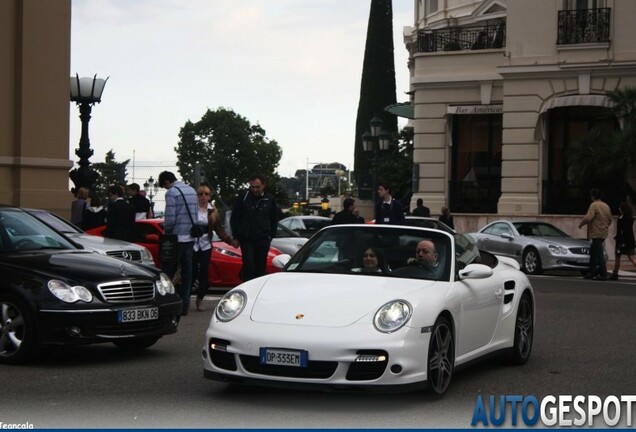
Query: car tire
point(135, 344)
point(441, 357)
point(524, 331)
point(18, 330)
point(531, 262)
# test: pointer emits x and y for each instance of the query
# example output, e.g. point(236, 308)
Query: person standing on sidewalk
point(625, 243)
point(181, 210)
point(598, 220)
point(254, 222)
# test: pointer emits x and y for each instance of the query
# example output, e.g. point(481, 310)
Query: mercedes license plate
point(142, 314)
point(283, 357)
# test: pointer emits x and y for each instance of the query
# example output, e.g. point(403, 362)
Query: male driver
point(182, 206)
point(425, 255)
point(254, 222)
point(598, 219)
point(346, 215)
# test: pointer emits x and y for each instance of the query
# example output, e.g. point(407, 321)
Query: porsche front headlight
point(231, 305)
point(164, 285)
point(557, 250)
point(69, 294)
point(392, 316)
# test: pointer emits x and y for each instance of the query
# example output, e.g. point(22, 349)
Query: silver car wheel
point(531, 262)
point(441, 357)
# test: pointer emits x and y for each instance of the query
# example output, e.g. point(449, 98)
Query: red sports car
point(225, 261)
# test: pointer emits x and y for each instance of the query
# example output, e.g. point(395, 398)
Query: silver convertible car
point(536, 245)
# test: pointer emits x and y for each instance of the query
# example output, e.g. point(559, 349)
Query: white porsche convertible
point(372, 306)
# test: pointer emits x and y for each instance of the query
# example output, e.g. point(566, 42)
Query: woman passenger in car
point(372, 261)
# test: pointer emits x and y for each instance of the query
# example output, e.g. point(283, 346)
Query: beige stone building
point(501, 89)
point(35, 44)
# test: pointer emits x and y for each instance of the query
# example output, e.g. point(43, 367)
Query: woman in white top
point(207, 217)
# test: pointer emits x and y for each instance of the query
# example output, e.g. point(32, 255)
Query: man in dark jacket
point(421, 209)
point(120, 216)
point(254, 222)
point(346, 216)
point(388, 210)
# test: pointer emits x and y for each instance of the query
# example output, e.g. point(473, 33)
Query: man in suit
point(120, 216)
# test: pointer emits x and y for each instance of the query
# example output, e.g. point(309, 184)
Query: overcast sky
point(293, 66)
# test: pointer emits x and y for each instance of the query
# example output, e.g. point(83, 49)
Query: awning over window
point(567, 101)
point(403, 109)
point(577, 100)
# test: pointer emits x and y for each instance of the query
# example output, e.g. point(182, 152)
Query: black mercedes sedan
point(54, 292)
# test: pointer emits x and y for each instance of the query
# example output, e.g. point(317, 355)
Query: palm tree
point(609, 157)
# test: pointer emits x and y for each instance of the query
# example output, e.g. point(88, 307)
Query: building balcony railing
point(584, 26)
point(474, 197)
point(463, 38)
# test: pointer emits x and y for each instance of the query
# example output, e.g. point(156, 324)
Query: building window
point(431, 6)
point(561, 195)
point(475, 184)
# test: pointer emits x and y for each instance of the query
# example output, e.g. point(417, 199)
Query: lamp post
point(375, 141)
point(324, 205)
point(85, 92)
point(151, 187)
point(340, 174)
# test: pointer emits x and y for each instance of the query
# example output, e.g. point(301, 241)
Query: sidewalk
point(627, 269)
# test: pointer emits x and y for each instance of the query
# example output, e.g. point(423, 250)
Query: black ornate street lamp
point(85, 92)
point(375, 141)
point(151, 187)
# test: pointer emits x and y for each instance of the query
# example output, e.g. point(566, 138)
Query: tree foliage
point(377, 87)
point(229, 150)
point(396, 167)
point(110, 172)
point(608, 157)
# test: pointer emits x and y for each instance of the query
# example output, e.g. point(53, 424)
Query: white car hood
point(326, 300)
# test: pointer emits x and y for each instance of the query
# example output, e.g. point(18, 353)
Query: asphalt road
point(584, 344)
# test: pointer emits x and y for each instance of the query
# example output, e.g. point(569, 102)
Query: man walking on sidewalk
point(598, 220)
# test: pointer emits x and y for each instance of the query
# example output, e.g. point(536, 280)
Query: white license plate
point(143, 314)
point(280, 357)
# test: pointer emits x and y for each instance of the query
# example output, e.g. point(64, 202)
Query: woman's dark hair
point(379, 254)
point(626, 209)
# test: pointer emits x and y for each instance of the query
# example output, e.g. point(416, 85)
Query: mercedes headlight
point(392, 316)
point(557, 250)
point(164, 285)
point(231, 305)
point(69, 294)
point(146, 256)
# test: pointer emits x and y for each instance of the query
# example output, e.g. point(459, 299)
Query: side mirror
point(475, 271)
point(507, 236)
point(280, 261)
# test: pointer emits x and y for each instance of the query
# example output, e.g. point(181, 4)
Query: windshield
point(387, 251)
point(56, 222)
point(282, 232)
point(19, 231)
point(538, 229)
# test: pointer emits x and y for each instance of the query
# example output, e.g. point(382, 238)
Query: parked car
point(305, 226)
point(324, 323)
point(53, 292)
point(536, 245)
point(225, 260)
point(102, 245)
point(428, 222)
point(287, 241)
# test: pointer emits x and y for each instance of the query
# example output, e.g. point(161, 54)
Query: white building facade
point(501, 89)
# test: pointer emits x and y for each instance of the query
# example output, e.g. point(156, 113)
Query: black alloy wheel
point(524, 331)
point(441, 357)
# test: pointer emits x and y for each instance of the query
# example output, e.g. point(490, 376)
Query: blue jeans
point(597, 259)
point(184, 258)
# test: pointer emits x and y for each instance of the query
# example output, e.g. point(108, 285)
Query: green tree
point(377, 88)
point(110, 172)
point(229, 150)
point(607, 158)
point(396, 167)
